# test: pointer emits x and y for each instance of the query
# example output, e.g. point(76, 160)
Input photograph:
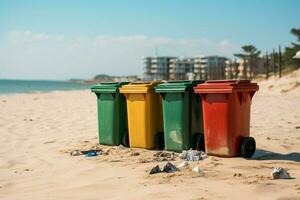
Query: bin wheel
point(125, 139)
point(248, 146)
point(159, 141)
point(199, 142)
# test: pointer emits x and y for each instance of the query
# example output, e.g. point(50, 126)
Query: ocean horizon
point(11, 86)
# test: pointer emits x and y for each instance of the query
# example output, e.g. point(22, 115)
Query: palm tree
point(296, 33)
point(250, 54)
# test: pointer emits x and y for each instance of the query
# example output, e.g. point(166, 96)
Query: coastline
point(39, 130)
point(43, 92)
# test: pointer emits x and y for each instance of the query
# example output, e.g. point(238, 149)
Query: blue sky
point(65, 39)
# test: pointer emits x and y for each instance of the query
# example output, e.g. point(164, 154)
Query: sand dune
point(38, 131)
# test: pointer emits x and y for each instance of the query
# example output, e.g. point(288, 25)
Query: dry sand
point(38, 131)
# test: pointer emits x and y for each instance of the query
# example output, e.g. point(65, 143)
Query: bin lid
point(226, 86)
point(177, 86)
point(107, 87)
point(139, 87)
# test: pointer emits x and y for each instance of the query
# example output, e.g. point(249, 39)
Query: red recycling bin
point(226, 116)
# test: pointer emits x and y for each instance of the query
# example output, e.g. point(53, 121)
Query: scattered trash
point(197, 170)
point(183, 164)
point(155, 170)
point(91, 153)
point(76, 153)
point(164, 156)
point(193, 155)
point(280, 173)
point(121, 147)
point(95, 151)
point(169, 167)
point(135, 154)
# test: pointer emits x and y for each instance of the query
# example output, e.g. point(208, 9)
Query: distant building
point(147, 65)
point(156, 68)
point(176, 68)
point(240, 69)
point(209, 67)
point(181, 68)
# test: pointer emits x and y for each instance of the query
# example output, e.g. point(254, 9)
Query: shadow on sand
point(269, 155)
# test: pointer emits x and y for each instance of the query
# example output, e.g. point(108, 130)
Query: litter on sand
point(280, 173)
point(155, 170)
point(121, 147)
point(76, 153)
point(183, 164)
point(87, 153)
point(91, 154)
point(197, 170)
point(193, 155)
point(168, 168)
point(164, 156)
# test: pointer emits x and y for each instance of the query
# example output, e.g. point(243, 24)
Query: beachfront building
point(240, 69)
point(147, 75)
point(160, 68)
point(156, 68)
point(186, 68)
point(199, 68)
point(209, 67)
point(181, 69)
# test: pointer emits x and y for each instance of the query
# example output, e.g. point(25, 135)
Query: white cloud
point(28, 36)
point(25, 54)
point(228, 48)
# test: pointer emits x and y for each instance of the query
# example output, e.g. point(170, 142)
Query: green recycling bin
point(183, 120)
point(112, 114)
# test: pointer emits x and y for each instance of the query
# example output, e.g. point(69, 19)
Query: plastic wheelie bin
point(144, 115)
point(112, 113)
point(183, 123)
point(226, 116)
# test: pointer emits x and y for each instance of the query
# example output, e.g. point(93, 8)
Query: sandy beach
point(38, 132)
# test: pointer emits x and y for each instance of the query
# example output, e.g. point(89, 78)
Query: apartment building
point(175, 68)
point(240, 69)
point(156, 68)
point(181, 68)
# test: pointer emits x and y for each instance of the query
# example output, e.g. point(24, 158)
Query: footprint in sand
point(297, 187)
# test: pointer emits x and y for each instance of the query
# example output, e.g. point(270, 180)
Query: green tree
point(291, 50)
point(296, 33)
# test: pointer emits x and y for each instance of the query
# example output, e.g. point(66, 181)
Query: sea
point(37, 86)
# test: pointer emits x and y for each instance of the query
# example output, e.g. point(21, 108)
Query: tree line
point(275, 61)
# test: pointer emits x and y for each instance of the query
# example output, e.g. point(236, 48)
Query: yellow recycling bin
point(144, 112)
